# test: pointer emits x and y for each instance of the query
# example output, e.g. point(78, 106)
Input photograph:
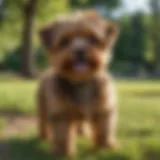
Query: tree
point(87, 3)
point(123, 45)
point(155, 7)
point(137, 40)
point(24, 15)
point(104, 6)
point(130, 51)
point(30, 11)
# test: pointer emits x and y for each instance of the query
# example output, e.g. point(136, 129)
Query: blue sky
point(136, 5)
point(132, 6)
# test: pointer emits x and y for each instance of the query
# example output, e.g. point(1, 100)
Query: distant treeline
point(137, 51)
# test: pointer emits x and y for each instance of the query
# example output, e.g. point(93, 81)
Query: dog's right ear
point(112, 32)
point(47, 35)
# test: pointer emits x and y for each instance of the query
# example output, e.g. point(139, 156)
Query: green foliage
point(88, 3)
point(122, 46)
point(12, 60)
point(41, 58)
point(132, 43)
point(137, 47)
point(137, 41)
point(155, 34)
point(12, 25)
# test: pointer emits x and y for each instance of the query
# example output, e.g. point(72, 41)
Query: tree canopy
point(88, 3)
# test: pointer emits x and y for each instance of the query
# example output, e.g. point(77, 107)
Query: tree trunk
point(28, 58)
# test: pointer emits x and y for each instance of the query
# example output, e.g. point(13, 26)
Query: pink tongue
point(81, 67)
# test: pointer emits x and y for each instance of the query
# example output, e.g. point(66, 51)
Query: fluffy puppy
point(77, 87)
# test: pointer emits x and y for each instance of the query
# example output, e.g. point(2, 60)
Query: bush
point(12, 60)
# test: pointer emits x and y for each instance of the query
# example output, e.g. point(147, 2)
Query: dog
point(77, 89)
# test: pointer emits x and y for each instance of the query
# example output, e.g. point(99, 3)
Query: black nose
point(80, 55)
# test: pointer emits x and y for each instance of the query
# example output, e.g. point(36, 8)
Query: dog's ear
point(112, 32)
point(47, 35)
point(92, 14)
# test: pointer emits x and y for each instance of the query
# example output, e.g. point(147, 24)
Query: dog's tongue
point(81, 67)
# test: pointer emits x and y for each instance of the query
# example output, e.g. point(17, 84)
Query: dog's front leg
point(104, 126)
point(64, 141)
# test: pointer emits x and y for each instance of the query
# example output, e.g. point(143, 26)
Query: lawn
point(138, 128)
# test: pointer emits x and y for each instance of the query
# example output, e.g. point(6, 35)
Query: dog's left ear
point(47, 35)
point(112, 32)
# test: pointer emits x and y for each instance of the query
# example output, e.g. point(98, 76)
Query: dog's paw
point(113, 145)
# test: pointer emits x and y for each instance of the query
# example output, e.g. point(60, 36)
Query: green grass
point(138, 128)
point(17, 95)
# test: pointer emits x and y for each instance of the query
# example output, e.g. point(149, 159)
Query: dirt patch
point(13, 125)
point(16, 125)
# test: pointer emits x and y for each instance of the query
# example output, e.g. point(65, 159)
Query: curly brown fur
point(77, 90)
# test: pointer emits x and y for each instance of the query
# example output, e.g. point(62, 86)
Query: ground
point(138, 128)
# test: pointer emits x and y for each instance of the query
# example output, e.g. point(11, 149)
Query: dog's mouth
point(81, 67)
point(79, 70)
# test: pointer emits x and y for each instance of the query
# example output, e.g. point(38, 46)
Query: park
point(135, 68)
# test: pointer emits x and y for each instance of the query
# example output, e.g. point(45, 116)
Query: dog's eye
point(64, 42)
point(93, 39)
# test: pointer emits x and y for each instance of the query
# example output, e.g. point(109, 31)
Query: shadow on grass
point(12, 112)
point(32, 149)
point(152, 150)
point(142, 133)
point(28, 149)
point(146, 94)
point(4, 150)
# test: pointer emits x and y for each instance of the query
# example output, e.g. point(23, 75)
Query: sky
point(132, 6)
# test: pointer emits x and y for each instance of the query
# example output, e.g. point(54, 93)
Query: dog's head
point(79, 45)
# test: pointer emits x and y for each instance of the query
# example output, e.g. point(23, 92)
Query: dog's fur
point(77, 89)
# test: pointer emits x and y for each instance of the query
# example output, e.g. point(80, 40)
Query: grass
point(17, 95)
point(138, 129)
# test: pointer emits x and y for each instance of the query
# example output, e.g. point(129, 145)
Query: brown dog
point(77, 88)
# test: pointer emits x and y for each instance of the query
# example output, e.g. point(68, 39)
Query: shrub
point(12, 60)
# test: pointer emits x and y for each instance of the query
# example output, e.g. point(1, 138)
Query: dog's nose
point(80, 55)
